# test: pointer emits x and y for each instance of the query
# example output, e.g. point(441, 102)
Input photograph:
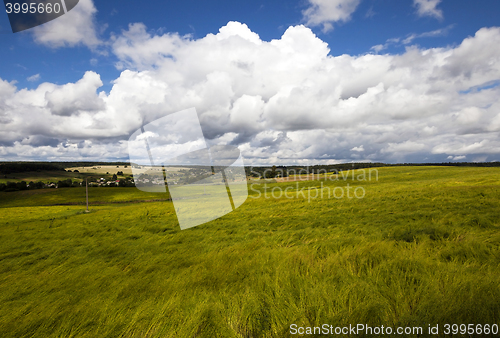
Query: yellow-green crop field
point(420, 247)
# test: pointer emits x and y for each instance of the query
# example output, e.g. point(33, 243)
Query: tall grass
point(423, 246)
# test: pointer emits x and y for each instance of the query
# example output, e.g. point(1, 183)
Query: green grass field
point(422, 247)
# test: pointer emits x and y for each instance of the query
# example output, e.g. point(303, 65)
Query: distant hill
point(7, 168)
point(263, 171)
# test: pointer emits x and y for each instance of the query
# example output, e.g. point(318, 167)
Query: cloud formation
point(77, 27)
point(34, 78)
point(428, 8)
point(411, 37)
point(285, 101)
point(326, 12)
point(434, 33)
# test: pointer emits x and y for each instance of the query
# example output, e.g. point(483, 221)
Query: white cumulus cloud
point(287, 100)
point(77, 27)
point(327, 12)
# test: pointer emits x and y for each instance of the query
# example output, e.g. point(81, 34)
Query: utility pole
point(87, 193)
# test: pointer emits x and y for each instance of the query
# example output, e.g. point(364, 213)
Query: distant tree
point(114, 177)
point(270, 173)
point(76, 171)
point(122, 183)
point(22, 185)
point(12, 186)
point(120, 173)
point(65, 183)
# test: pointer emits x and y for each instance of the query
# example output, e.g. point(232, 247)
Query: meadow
point(421, 247)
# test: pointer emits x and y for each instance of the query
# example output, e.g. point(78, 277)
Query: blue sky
point(311, 81)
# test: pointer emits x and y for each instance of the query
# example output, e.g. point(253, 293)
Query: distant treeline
point(89, 164)
point(17, 186)
point(21, 167)
point(68, 183)
point(7, 168)
point(284, 171)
